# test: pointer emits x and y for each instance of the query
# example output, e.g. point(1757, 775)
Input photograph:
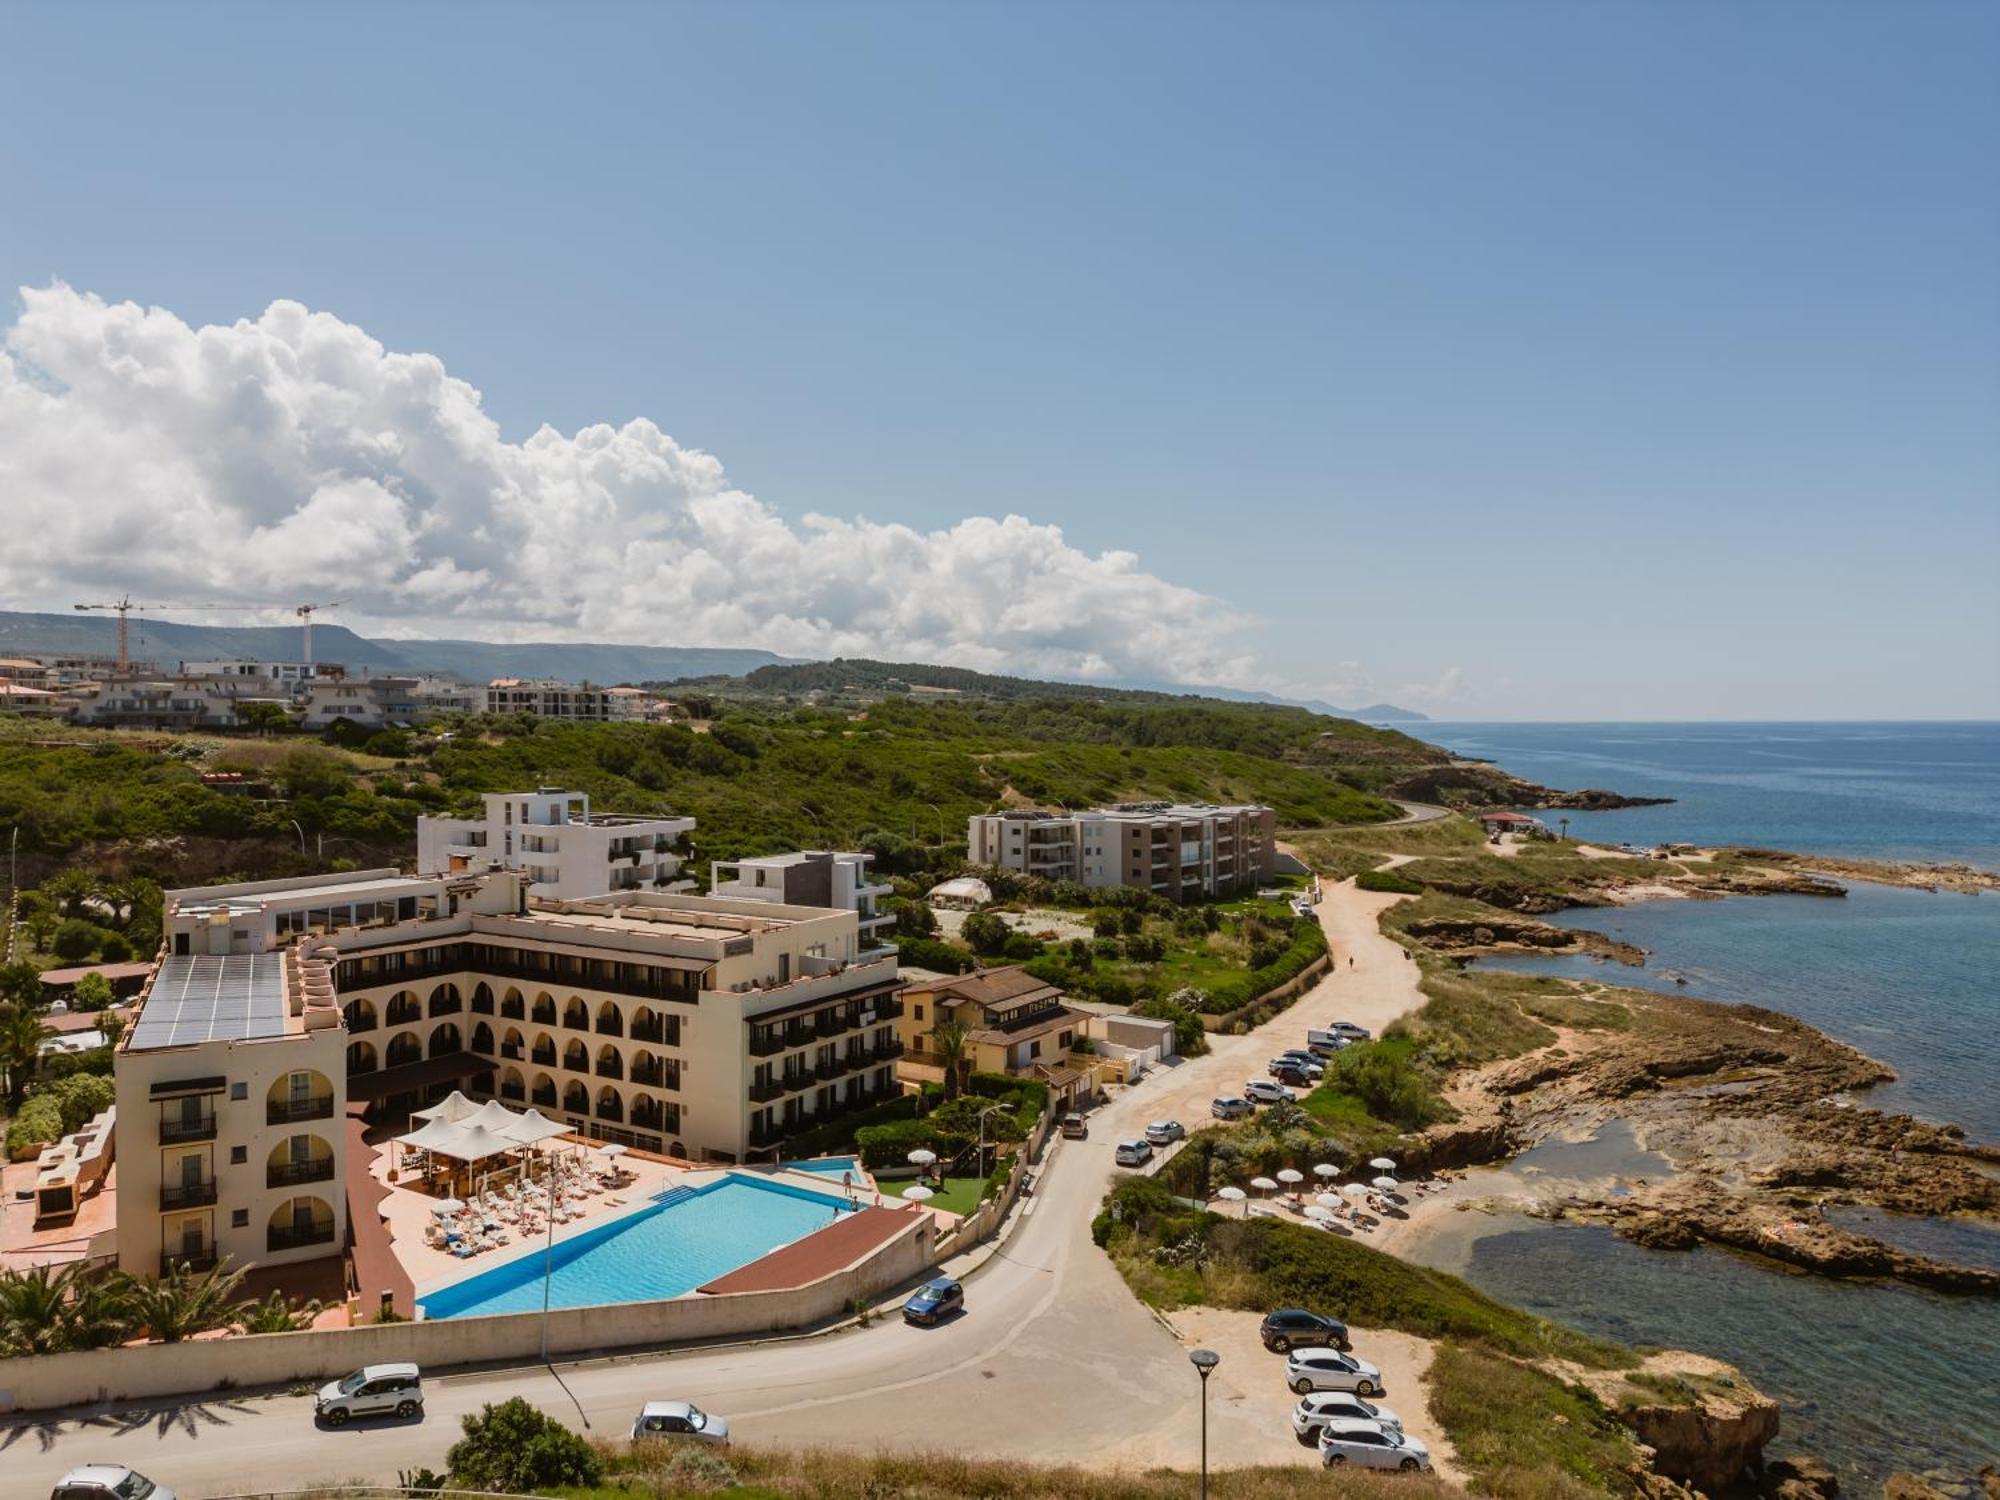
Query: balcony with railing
point(295, 1173)
point(197, 1260)
point(178, 1195)
point(178, 1129)
point(298, 1236)
point(293, 1111)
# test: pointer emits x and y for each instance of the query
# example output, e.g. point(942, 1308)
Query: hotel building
point(814, 877)
point(1185, 852)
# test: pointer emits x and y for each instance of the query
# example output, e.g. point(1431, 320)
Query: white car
point(676, 1419)
point(1165, 1132)
point(1134, 1153)
point(1367, 1445)
point(108, 1482)
point(1263, 1091)
point(372, 1391)
point(1314, 1411)
point(1308, 1370)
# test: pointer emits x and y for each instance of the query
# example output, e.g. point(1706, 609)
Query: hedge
point(929, 953)
point(1388, 882)
point(38, 1123)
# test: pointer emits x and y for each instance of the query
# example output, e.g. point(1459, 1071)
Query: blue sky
point(1505, 360)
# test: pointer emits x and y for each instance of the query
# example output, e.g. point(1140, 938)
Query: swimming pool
point(664, 1250)
point(828, 1166)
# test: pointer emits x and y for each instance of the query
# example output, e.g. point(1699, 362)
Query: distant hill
point(861, 678)
point(167, 643)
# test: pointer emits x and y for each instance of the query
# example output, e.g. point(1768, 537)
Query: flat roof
point(209, 998)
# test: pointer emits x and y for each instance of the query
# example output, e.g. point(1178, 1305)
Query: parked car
point(1235, 1107)
point(934, 1301)
point(108, 1482)
point(372, 1391)
point(1264, 1091)
point(671, 1419)
point(1292, 1075)
point(1299, 1057)
point(1134, 1153)
point(1075, 1127)
point(1366, 1445)
point(1351, 1031)
point(1313, 1412)
point(1330, 1370)
point(1289, 1328)
point(1165, 1132)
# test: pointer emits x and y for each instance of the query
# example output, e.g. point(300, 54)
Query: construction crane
point(123, 607)
point(305, 614)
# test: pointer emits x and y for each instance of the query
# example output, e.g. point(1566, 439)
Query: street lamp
point(990, 1109)
point(1204, 1362)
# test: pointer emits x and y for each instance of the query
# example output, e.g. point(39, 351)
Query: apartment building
point(387, 702)
point(1183, 851)
point(171, 702)
point(553, 837)
point(813, 877)
point(547, 698)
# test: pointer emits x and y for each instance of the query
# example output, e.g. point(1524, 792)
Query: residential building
point(271, 672)
point(365, 702)
point(687, 1024)
point(68, 671)
point(1014, 1023)
point(31, 702)
point(1181, 851)
point(813, 877)
point(29, 671)
point(169, 702)
point(547, 698)
point(552, 835)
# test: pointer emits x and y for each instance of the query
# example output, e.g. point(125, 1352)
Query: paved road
point(1053, 1360)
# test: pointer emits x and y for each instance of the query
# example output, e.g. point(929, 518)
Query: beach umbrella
point(1382, 1164)
point(1387, 1184)
point(921, 1158)
point(444, 1208)
point(1326, 1169)
point(917, 1193)
point(612, 1149)
point(1291, 1176)
point(1355, 1192)
point(1317, 1214)
point(1263, 1184)
point(1329, 1200)
point(1231, 1194)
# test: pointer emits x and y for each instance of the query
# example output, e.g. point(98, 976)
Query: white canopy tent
point(450, 1110)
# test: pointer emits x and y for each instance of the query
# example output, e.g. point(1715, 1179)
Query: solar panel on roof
point(205, 998)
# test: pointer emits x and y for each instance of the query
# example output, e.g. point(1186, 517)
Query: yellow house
point(1014, 1023)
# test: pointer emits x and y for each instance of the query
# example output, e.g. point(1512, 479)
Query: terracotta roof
point(113, 972)
point(1061, 1016)
point(820, 1254)
point(987, 986)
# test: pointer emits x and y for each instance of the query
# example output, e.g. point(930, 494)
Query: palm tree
point(276, 1315)
point(48, 1309)
point(948, 1040)
point(21, 1036)
point(185, 1302)
point(71, 889)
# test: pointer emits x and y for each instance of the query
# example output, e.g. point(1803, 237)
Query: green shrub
point(890, 1145)
point(38, 1122)
point(929, 953)
point(1391, 882)
point(1383, 1076)
point(985, 934)
point(80, 1096)
point(1525, 1435)
point(515, 1447)
point(1183, 1008)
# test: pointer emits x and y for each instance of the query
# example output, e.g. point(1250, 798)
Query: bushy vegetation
point(951, 1127)
point(1388, 882)
point(516, 1448)
point(1524, 1435)
point(1387, 1081)
point(1176, 1255)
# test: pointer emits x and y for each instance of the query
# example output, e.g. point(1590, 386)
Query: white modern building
point(553, 837)
point(813, 877)
point(547, 698)
point(1183, 851)
point(365, 702)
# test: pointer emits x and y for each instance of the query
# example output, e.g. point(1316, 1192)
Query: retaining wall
point(148, 1371)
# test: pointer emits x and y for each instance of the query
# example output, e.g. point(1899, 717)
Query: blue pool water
point(830, 1166)
point(662, 1251)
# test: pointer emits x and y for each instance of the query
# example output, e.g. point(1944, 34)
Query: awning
point(408, 1077)
point(451, 1109)
point(181, 1086)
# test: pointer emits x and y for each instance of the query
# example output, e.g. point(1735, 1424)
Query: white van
point(372, 1391)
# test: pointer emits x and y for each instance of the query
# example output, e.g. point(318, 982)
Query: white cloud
point(293, 458)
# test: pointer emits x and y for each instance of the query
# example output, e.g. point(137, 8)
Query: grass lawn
point(960, 1195)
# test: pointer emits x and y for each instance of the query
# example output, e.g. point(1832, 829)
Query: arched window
point(512, 1006)
point(446, 1040)
point(360, 1016)
point(576, 1057)
point(576, 1098)
point(576, 1015)
point(542, 1092)
point(513, 1086)
point(403, 1009)
point(609, 1022)
point(404, 1048)
point(482, 1000)
point(609, 1063)
point(609, 1105)
point(482, 1039)
point(361, 1058)
point(445, 1001)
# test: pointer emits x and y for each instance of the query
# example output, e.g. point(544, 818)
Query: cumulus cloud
point(292, 457)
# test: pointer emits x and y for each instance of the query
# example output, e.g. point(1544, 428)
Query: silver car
point(1368, 1445)
point(1315, 1410)
point(1308, 1370)
point(678, 1419)
point(108, 1482)
point(1133, 1153)
point(1263, 1091)
point(1165, 1132)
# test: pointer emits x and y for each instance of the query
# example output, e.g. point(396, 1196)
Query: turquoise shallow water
point(1873, 1378)
point(662, 1251)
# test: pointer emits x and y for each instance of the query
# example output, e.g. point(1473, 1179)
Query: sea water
point(1872, 1377)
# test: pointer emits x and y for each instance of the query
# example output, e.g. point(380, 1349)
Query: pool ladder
point(676, 1195)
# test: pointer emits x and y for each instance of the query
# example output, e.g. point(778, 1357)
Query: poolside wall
point(149, 1371)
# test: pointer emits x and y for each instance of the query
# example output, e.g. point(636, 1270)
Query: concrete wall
point(154, 1370)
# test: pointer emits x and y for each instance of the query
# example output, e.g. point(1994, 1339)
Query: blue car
point(934, 1301)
